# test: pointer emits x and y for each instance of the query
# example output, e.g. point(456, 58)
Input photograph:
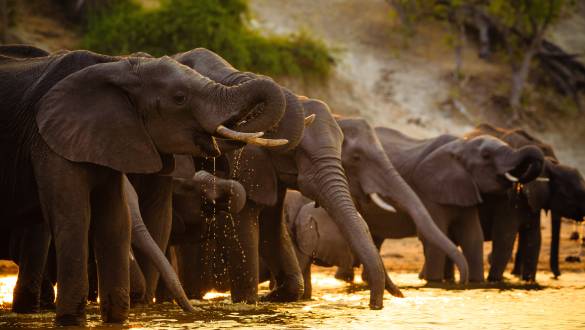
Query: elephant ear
point(442, 178)
point(89, 117)
point(253, 168)
point(306, 232)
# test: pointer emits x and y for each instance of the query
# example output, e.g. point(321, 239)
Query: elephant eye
point(486, 154)
point(180, 98)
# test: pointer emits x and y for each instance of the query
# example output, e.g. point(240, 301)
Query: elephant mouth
point(229, 130)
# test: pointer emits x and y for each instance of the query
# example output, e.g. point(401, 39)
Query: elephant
point(74, 122)
point(559, 188)
point(311, 163)
point(449, 174)
point(371, 178)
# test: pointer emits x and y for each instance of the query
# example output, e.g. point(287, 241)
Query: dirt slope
point(406, 83)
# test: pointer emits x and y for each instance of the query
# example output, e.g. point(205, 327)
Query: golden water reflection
point(553, 304)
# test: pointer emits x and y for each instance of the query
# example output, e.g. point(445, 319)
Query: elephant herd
point(112, 165)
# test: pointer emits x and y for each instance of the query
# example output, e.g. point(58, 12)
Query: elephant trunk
point(217, 69)
point(142, 241)
point(525, 164)
point(403, 195)
point(333, 195)
point(554, 243)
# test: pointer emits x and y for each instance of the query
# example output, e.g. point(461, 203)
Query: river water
point(552, 304)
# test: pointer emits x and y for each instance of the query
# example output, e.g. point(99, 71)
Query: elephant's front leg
point(277, 250)
point(469, 234)
point(64, 193)
point(504, 230)
point(111, 237)
point(530, 240)
point(239, 234)
point(32, 245)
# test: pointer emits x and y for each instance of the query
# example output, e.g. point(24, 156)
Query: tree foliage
point(219, 25)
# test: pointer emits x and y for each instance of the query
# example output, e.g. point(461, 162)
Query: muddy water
point(552, 304)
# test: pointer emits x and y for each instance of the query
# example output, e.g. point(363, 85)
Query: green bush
point(219, 25)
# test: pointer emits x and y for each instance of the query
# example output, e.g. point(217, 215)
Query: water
point(553, 304)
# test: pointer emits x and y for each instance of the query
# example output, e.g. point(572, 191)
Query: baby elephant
point(317, 239)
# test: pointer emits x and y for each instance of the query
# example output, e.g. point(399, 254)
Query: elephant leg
point(449, 271)
point(155, 199)
point(190, 269)
point(111, 238)
point(277, 251)
point(518, 259)
point(469, 235)
point(434, 267)
point(47, 293)
point(66, 204)
point(137, 282)
point(32, 255)
point(530, 241)
point(92, 276)
point(554, 243)
point(241, 250)
point(345, 274)
point(308, 289)
point(504, 230)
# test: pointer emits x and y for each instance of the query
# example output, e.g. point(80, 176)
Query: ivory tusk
point(510, 177)
point(309, 120)
point(542, 179)
point(381, 203)
point(250, 138)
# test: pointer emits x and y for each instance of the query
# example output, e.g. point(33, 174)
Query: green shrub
point(219, 25)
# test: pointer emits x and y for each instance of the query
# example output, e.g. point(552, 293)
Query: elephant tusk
point(510, 177)
point(250, 138)
point(542, 179)
point(381, 203)
point(309, 120)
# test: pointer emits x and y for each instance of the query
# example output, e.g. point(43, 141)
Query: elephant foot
point(495, 278)
point(25, 301)
point(288, 289)
point(70, 320)
point(114, 305)
point(282, 294)
point(345, 275)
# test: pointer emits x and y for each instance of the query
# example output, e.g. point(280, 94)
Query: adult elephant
point(449, 174)
point(372, 178)
point(559, 188)
point(72, 123)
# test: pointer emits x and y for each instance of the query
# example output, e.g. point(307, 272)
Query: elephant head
point(459, 171)
point(217, 69)
point(124, 113)
point(373, 179)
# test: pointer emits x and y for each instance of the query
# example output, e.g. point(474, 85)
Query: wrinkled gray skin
point(62, 141)
point(503, 216)
point(369, 171)
point(312, 166)
point(449, 175)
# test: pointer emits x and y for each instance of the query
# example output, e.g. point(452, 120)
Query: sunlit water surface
point(551, 305)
